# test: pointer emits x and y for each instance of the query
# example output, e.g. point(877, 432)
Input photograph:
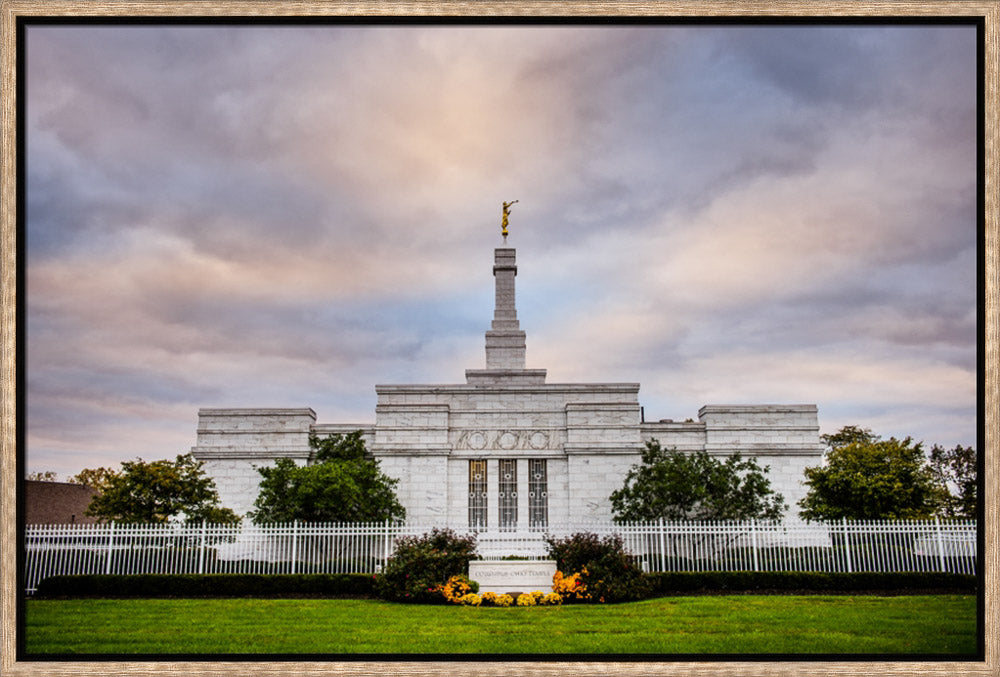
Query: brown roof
point(57, 503)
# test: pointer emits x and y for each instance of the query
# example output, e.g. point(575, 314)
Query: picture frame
point(10, 437)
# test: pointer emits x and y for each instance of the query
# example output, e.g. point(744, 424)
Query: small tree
point(866, 477)
point(672, 485)
point(341, 484)
point(96, 478)
point(956, 469)
point(158, 491)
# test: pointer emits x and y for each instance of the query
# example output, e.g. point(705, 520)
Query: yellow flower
point(456, 587)
point(471, 599)
point(571, 585)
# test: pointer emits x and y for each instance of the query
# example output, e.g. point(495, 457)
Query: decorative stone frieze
point(506, 440)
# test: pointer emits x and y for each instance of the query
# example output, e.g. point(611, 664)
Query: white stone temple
point(506, 450)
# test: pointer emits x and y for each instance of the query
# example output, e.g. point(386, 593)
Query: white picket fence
point(845, 546)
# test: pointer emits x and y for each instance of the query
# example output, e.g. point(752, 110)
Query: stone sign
point(513, 575)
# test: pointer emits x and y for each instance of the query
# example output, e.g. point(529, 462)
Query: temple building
point(506, 450)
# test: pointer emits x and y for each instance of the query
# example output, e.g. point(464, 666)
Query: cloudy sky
point(286, 216)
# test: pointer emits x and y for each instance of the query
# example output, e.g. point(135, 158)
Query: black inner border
point(23, 23)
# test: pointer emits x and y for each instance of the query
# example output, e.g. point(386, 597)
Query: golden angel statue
point(506, 213)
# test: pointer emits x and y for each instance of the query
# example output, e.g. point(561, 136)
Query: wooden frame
point(989, 10)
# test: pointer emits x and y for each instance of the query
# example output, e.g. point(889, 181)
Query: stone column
point(505, 342)
point(492, 500)
point(522, 494)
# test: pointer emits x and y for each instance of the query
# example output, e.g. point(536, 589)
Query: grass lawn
point(745, 624)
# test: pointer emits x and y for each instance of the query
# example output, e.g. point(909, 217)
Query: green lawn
point(745, 624)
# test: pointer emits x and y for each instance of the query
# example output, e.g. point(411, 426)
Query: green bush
point(608, 571)
point(420, 564)
point(206, 585)
point(362, 585)
point(729, 582)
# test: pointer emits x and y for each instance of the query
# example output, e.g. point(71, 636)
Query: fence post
point(753, 539)
point(295, 542)
point(663, 548)
point(111, 546)
point(201, 550)
point(940, 543)
point(385, 550)
point(847, 545)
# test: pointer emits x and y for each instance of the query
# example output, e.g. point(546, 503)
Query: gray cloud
point(286, 216)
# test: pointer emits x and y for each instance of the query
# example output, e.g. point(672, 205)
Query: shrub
point(503, 600)
point(205, 585)
point(768, 582)
point(526, 600)
point(607, 572)
point(421, 565)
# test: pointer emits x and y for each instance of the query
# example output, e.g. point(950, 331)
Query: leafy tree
point(672, 485)
point(47, 476)
point(340, 484)
point(956, 468)
point(866, 477)
point(849, 434)
point(157, 491)
point(349, 447)
point(96, 478)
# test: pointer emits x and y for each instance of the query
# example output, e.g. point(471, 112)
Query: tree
point(956, 468)
point(866, 477)
point(47, 476)
point(672, 485)
point(157, 491)
point(849, 434)
point(340, 484)
point(96, 478)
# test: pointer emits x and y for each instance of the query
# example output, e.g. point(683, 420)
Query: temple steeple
point(505, 340)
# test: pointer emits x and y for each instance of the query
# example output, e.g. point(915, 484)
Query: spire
point(505, 343)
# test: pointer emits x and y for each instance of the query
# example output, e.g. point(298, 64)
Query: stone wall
point(423, 485)
point(589, 434)
point(784, 438)
point(234, 443)
point(591, 479)
point(263, 434)
point(503, 415)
